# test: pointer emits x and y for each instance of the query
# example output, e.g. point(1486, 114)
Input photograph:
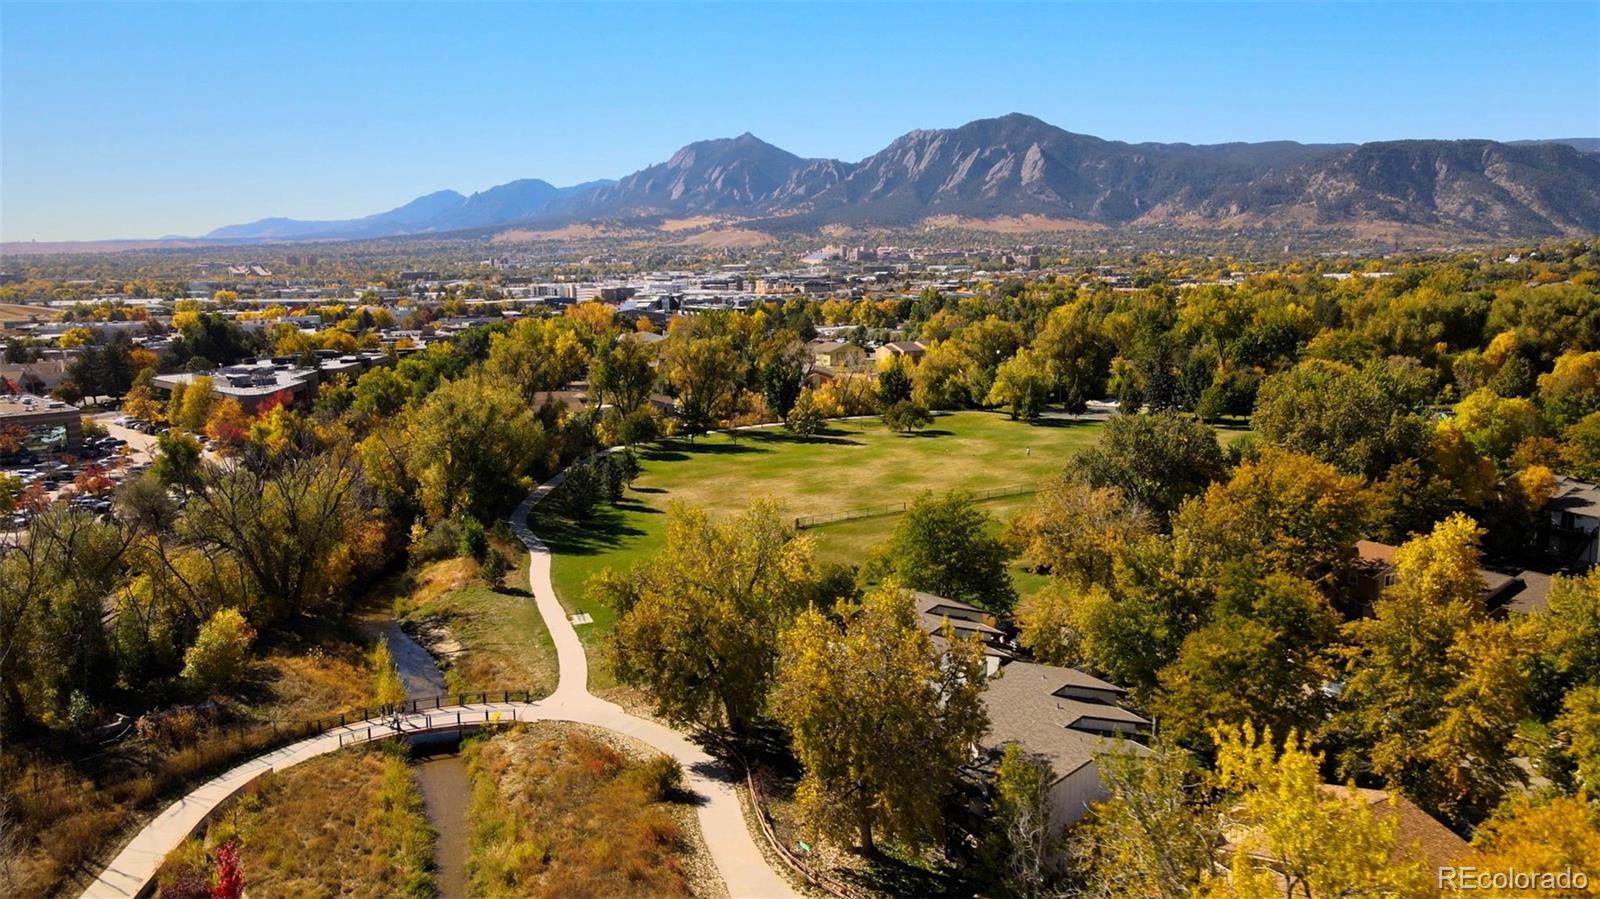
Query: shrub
point(495, 568)
point(218, 655)
point(659, 779)
point(471, 539)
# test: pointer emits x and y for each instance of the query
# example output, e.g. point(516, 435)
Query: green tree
point(1156, 460)
point(881, 720)
point(945, 545)
point(1360, 420)
point(782, 380)
point(894, 383)
point(1580, 448)
point(1024, 842)
point(624, 374)
point(906, 416)
point(699, 623)
point(177, 462)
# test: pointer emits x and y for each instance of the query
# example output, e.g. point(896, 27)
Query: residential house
point(1418, 836)
point(1572, 529)
point(1374, 572)
point(1066, 717)
point(838, 356)
point(967, 621)
point(910, 351)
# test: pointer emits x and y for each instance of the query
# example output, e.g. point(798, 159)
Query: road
point(733, 848)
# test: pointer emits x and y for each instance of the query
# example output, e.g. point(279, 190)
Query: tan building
point(909, 350)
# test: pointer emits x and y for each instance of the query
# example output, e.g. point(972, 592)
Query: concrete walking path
point(733, 848)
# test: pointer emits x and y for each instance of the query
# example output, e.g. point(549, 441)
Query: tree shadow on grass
point(1084, 423)
point(889, 876)
point(934, 432)
point(569, 537)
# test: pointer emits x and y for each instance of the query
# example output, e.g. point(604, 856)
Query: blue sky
point(135, 120)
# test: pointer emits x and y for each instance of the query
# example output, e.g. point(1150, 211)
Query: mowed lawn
point(855, 465)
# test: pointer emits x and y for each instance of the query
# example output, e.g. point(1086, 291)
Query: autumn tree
point(881, 720)
point(1289, 511)
point(218, 655)
point(1263, 657)
point(1155, 833)
point(698, 625)
point(1075, 353)
point(1022, 385)
point(1533, 833)
point(537, 355)
point(1074, 531)
point(1313, 840)
point(297, 533)
point(1571, 390)
point(1433, 690)
point(704, 373)
point(470, 445)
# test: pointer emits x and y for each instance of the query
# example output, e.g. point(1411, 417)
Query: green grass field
point(854, 465)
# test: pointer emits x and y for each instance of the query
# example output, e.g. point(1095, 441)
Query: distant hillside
point(1020, 169)
point(444, 210)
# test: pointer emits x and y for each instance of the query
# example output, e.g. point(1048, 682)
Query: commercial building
point(48, 424)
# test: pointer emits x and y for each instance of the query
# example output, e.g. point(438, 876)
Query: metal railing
point(811, 521)
point(136, 758)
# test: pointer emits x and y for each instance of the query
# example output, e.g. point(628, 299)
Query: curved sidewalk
point(733, 849)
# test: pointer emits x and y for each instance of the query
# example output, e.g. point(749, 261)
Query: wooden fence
point(821, 881)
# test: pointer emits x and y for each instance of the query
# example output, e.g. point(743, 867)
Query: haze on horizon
point(128, 120)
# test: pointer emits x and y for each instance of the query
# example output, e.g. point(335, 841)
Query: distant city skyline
point(131, 120)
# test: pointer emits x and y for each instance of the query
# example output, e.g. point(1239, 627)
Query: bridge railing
point(137, 769)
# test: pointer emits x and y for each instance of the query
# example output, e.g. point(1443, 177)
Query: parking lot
point(86, 478)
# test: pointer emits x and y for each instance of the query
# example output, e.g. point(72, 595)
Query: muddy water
point(442, 777)
point(445, 793)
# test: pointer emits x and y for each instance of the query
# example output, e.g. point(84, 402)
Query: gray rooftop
point(1577, 497)
point(1025, 705)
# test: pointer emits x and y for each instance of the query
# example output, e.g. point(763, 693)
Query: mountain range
point(1018, 166)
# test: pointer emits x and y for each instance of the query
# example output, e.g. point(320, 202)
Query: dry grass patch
point(348, 824)
point(484, 638)
point(67, 823)
point(567, 814)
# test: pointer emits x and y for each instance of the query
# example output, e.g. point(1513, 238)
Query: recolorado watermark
point(1467, 877)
